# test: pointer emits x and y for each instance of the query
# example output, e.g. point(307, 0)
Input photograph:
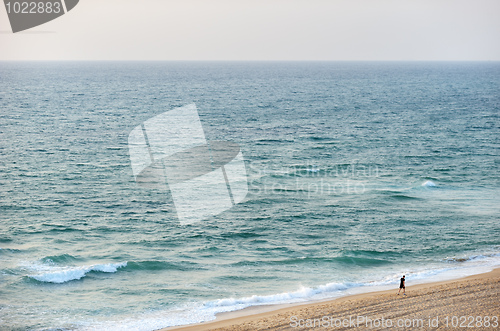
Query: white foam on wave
point(429, 183)
point(66, 274)
point(303, 294)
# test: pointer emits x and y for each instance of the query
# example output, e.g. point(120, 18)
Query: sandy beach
point(471, 302)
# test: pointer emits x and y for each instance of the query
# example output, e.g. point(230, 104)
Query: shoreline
point(475, 295)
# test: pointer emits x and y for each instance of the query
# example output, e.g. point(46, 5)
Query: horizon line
point(138, 60)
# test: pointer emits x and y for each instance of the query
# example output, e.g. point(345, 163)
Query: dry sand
point(459, 304)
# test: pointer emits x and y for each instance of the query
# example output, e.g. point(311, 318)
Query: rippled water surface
point(357, 173)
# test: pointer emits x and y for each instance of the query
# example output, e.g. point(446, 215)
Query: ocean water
point(357, 173)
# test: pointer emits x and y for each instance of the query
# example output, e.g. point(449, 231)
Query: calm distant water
point(357, 172)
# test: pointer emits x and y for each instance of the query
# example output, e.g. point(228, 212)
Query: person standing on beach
point(402, 285)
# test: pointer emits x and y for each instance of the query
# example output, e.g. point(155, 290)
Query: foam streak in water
point(303, 294)
point(66, 274)
point(429, 183)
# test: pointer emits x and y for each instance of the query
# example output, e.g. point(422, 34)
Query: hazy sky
point(262, 30)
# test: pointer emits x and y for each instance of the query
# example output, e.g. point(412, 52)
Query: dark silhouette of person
point(402, 285)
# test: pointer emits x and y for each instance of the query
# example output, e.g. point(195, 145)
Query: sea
point(357, 173)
